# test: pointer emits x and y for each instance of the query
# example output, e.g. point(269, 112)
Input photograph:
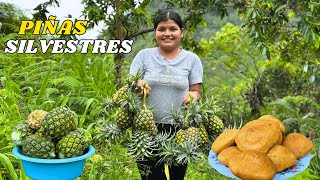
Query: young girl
point(171, 76)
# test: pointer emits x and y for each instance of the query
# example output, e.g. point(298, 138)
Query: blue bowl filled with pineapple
point(51, 146)
point(50, 169)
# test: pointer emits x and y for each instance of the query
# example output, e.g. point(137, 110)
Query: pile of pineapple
point(51, 135)
point(197, 123)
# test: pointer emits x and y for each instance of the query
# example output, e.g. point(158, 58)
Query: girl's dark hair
point(165, 15)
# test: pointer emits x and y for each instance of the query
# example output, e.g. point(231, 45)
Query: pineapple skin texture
point(191, 134)
point(71, 145)
point(215, 126)
point(58, 122)
point(20, 132)
point(123, 119)
point(35, 118)
point(118, 97)
point(143, 121)
point(38, 147)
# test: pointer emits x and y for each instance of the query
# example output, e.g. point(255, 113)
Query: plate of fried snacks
point(259, 150)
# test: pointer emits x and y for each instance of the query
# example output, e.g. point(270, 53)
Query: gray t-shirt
point(169, 79)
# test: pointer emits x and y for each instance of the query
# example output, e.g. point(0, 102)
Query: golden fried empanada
point(298, 143)
point(227, 154)
point(257, 135)
point(252, 165)
point(224, 140)
point(282, 157)
point(275, 119)
point(275, 125)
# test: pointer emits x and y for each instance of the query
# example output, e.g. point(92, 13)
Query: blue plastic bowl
point(51, 169)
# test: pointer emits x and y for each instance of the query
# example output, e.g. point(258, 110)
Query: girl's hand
point(143, 84)
point(191, 95)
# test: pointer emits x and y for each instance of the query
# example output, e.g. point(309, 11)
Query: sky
point(72, 7)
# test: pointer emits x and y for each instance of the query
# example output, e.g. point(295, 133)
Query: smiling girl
point(171, 76)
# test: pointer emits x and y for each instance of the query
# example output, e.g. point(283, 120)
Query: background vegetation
point(259, 57)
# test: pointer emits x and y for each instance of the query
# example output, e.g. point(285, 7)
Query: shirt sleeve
point(196, 73)
point(137, 64)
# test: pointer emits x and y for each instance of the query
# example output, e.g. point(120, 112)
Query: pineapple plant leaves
point(143, 145)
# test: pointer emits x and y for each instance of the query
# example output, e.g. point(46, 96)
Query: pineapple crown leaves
point(194, 114)
point(108, 104)
point(210, 104)
point(132, 81)
point(109, 131)
point(236, 124)
point(189, 151)
point(131, 102)
point(176, 115)
point(143, 145)
point(187, 115)
point(164, 137)
point(174, 154)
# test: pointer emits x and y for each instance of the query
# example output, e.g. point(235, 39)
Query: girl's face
point(168, 35)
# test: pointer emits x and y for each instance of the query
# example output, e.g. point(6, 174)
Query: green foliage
point(296, 112)
point(230, 70)
point(268, 22)
point(6, 163)
point(10, 17)
point(202, 170)
point(110, 162)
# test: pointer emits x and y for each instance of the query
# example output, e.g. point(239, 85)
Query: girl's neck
point(170, 54)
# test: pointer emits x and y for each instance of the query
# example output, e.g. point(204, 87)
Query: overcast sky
point(72, 7)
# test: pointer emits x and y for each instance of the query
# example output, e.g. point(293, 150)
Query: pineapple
point(20, 132)
point(180, 137)
point(143, 119)
point(192, 134)
point(35, 118)
point(58, 122)
point(86, 134)
point(119, 96)
point(71, 145)
point(123, 119)
point(214, 125)
point(203, 134)
point(37, 146)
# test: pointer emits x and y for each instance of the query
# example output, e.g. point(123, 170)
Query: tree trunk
point(118, 58)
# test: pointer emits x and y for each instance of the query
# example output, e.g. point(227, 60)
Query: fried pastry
point(252, 165)
point(276, 127)
point(227, 154)
point(282, 157)
point(274, 119)
point(257, 135)
point(298, 143)
point(224, 140)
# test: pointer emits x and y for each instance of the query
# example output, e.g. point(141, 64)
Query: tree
point(10, 17)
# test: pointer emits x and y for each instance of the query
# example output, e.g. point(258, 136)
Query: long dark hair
point(165, 15)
